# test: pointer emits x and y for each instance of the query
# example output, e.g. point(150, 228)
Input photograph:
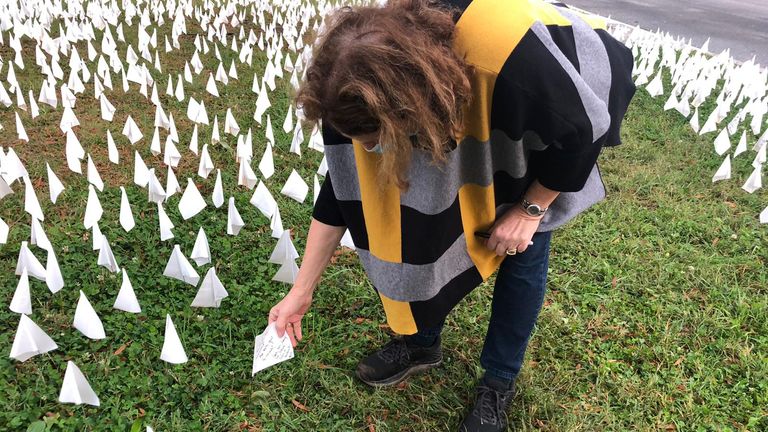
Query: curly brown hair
point(391, 70)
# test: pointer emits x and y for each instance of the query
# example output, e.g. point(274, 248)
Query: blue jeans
point(517, 299)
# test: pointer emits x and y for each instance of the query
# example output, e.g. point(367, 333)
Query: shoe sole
point(398, 378)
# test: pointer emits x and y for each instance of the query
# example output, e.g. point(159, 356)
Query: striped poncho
point(550, 90)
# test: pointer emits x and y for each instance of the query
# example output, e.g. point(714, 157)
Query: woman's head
point(389, 75)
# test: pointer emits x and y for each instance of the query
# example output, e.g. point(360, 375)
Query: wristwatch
point(532, 209)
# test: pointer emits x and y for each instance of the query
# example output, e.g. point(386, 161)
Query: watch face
point(533, 210)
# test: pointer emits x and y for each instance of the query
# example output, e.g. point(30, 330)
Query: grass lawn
point(656, 316)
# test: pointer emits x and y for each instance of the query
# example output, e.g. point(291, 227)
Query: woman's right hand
point(287, 314)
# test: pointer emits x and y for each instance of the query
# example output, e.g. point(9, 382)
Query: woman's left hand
point(512, 231)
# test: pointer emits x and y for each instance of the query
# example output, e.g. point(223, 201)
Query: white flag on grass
point(126, 298)
point(22, 300)
point(31, 203)
point(106, 257)
point(284, 250)
point(75, 388)
point(192, 202)
point(28, 261)
point(211, 291)
point(53, 277)
point(724, 172)
point(201, 252)
point(86, 320)
point(93, 209)
point(30, 340)
point(126, 214)
point(218, 191)
point(263, 200)
point(234, 222)
point(178, 267)
point(173, 350)
point(295, 187)
point(55, 186)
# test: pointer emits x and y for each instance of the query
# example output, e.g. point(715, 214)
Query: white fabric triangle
point(131, 131)
point(113, 154)
point(166, 226)
point(30, 340)
point(126, 214)
point(201, 251)
point(206, 163)
point(86, 319)
point(140, 171)
point(724, 172)
point(211, 291)
point(31, 203)
point(262, 199)
point(93, 175)
point(269, 349)
point(74, 152)
point(246, 177)
point(106, 257)
point(179, 268)
point(284, 250)
point(37, 235)
point(75, 388)
point(287, 272)
point(173, 350)
point(764, 215)
point(288, 122)
point(742, 146)
point(126, 298)
point(346, 240)
point(172, 185)
point(295, 187)
point(298, 138)
point(755, 180)
point(276, 223)
point(230, 124)
point(4, 230)
point(53, 277)
point(267, 164)
point(22, 300)
point(93, 209)
point(28, 261)
point(55, 186)
point(234, 221)
point(192, 202)
point(218, 191)
point(262, 103)
point(155, 191)
point(722, 142)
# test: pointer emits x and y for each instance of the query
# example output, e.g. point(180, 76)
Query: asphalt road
point(741, 25)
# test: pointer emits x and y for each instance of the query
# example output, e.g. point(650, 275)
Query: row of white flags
point(740, 104)
point(101, 31)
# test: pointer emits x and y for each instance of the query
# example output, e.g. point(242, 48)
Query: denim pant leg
point(517, 299)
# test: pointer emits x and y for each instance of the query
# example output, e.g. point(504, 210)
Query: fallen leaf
point(299, 405)
point(678, 361)
point(121, 349)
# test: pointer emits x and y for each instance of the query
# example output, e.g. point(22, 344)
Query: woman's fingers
point(290, 330)
point(297, 328)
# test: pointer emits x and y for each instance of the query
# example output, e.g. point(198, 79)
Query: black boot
point(489, 413)
point(397, 360)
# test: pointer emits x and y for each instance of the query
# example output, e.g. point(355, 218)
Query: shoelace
point(394, 350)
point(490, 405)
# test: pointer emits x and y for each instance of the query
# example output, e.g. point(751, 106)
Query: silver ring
point(511, 251)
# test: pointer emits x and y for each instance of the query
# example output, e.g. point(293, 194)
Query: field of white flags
point(152, 170)
point(156, 186)
point(723, 100)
